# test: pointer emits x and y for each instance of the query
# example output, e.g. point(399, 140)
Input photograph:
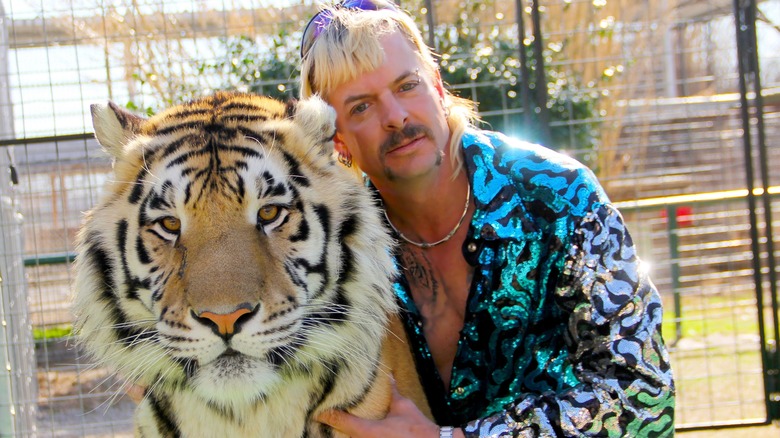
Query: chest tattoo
point(419, 271)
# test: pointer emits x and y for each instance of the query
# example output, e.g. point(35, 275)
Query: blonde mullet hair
point(350, 46)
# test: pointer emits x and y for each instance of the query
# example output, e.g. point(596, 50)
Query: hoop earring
point(345, 159)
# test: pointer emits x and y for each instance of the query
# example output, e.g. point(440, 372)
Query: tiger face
point(232, 260)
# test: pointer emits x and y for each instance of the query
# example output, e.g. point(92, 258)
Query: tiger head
point(230, 250)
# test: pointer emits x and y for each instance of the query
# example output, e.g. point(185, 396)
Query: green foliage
point(50, 333)
point(148, 111)
point(478, 62)
point(490, 75)
point(268, 66)
point(248, 66)
point(482, 63)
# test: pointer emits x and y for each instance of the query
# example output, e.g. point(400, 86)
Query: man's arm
point(615, 347)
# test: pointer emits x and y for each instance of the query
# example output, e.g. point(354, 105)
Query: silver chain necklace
point(425, 245)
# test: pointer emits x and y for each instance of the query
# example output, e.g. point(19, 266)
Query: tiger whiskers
point(150, 181)
point(313, 325)
point(145, 328)
point(289, 352)
point(347, 350)
point(149, 334)
point(136, 323)
point(141, 368)
point(359, 316)
point(123, 381)
point(353, 356)
point(145, 166)
point(122, 352)
point(137, 339)
point(313, 359)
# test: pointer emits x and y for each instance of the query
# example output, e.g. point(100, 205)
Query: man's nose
point(394, 114)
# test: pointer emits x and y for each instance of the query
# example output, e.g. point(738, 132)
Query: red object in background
point(684, 215)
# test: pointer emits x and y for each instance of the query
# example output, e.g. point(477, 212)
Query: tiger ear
point(317, 121)
point(114, 127)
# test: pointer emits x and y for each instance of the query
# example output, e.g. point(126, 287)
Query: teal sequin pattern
point(562, 329)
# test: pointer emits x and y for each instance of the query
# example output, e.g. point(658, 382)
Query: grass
point(717, 358)
point(710, 315)
point(42, 334)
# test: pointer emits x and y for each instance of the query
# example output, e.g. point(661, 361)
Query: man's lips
point(405, 144)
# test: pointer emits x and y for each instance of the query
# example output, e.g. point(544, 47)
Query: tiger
point(239, 274)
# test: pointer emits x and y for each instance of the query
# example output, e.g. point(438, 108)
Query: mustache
point(409, 132)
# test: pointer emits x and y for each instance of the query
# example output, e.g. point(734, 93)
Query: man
point(528, 311)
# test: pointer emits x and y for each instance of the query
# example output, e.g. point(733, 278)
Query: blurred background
point(674, 104)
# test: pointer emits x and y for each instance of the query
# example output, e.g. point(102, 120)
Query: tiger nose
point(224, 324)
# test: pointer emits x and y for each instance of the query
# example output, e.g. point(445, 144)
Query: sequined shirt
point(561, 335)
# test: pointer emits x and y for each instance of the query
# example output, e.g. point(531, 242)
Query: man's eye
point(359, 108)
point(406, 86)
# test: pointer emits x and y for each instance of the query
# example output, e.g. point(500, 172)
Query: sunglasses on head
point(322, 19)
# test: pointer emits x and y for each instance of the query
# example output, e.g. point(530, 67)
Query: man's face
point(391, 119)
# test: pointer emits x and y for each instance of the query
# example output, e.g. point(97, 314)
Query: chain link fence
point(646, 93)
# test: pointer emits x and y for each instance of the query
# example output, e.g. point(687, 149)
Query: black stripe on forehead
point(185, 111)
point(248, 107)
point(221, 171)
point(164, 152)
point(227, 181)
point(192, 125)
point(264, 138)
point(217, 110)
point(244, 118)
point(162, 197)
point(268, 186)
point(216, 150)
point(276, 140)
point(295, 169)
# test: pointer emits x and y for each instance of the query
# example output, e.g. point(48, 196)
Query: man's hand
point(403, 420)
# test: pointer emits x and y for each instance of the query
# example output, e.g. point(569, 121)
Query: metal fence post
point(674, 261)
point(750, 83)
point(18, 382)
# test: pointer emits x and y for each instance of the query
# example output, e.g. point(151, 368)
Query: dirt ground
point(76, 405)
point(771, 431)
point(82, 404)
point(78, 401)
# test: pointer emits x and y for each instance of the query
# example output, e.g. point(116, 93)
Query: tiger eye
point(171, 224)
point(268, 213)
